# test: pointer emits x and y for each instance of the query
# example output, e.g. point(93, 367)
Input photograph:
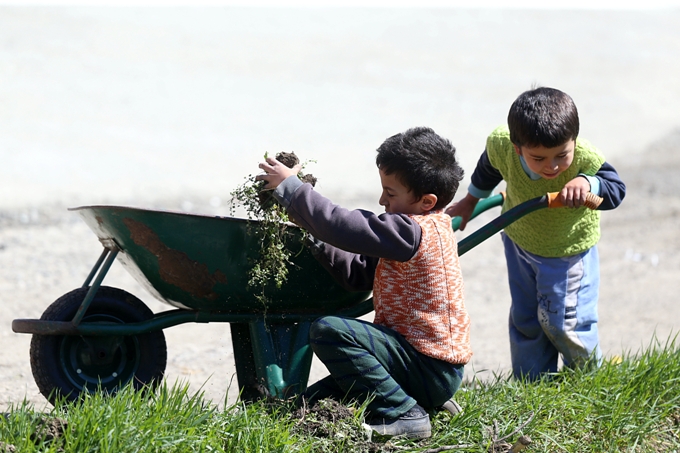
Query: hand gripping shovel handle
point(592, 200)
point(549, 200)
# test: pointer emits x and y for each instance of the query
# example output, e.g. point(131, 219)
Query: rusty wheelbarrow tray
point(98, 337)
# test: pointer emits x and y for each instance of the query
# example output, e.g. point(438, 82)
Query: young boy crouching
point(411, 357)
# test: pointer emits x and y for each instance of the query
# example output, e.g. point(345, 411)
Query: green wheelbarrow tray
point(197, 262)
point(102, 337)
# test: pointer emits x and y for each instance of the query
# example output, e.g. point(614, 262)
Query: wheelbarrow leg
point(245, 362)
point(103, 269)
point(273, 359)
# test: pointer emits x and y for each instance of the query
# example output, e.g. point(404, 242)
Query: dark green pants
point(366, 360)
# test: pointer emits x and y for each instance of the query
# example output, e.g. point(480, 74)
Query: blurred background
point(174, 106)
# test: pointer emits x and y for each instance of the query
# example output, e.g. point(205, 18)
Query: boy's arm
point(605, 183)
point(484, 179)
point(611, 188)
point(391, 236)
point(353, 271)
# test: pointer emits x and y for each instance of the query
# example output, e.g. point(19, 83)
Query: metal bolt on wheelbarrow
point(99, 337)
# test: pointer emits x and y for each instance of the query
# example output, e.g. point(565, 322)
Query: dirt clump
point(323, 418)
point(49, 429)
point(46, 430)
point(7, 448)
point(331, 420)
point(289, 160)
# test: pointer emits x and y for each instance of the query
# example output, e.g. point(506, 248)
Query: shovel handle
point(549, 200)
point(592, 200)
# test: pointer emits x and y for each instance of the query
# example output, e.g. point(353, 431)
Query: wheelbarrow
point(99, 337)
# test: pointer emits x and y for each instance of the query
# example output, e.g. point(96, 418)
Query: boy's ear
point(428, 202)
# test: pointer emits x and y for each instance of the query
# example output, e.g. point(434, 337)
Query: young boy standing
point(412, 356)
point(551, 254)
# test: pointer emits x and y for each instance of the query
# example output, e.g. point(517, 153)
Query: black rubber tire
point(66, 366)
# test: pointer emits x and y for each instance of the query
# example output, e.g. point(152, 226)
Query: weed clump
point(271, 226)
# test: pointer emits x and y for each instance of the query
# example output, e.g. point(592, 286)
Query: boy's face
point(549, 163)
point(398, 199)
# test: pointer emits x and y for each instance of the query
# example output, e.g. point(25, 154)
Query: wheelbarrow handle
point(549, 200)
point(483, 205)
point(592, 200)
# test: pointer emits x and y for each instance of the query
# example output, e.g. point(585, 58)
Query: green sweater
point(546, 232)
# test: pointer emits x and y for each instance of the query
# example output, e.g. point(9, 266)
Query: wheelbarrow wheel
point(67, 366)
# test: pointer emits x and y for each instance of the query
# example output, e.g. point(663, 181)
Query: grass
point(629, 406)
point(632, 406)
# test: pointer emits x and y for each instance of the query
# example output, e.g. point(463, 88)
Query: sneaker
point(452, 407)
point(414, 424)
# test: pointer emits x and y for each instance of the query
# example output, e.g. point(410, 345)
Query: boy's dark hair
point(424, 162)
point(543, 117)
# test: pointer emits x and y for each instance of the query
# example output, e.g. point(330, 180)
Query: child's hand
point(574, 193)
point(276, 172)
point(464, 209)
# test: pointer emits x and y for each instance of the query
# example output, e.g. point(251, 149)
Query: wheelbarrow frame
point(271, 350)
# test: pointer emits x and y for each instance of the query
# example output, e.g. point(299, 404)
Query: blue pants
point(366, 360)
point(553, 311)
